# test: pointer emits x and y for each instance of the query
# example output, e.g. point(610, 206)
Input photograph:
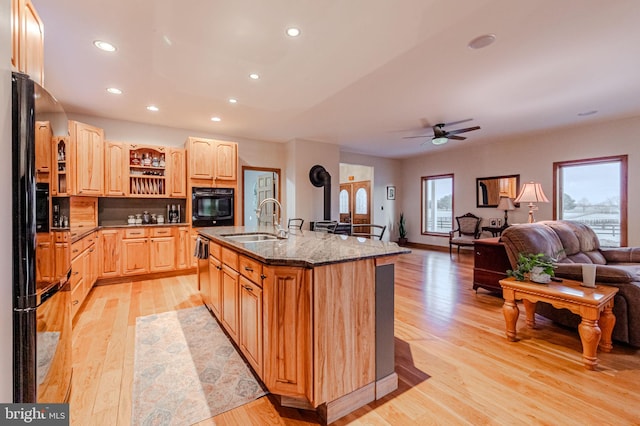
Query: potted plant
point(534, 267)
point(402, 231)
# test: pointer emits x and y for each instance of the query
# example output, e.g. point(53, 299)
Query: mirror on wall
point(490, 189)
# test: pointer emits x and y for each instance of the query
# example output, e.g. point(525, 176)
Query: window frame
point(624, 167)
point(423, 179)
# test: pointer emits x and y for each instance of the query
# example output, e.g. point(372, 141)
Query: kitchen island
point(312, 313)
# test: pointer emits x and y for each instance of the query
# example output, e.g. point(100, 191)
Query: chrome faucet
point(277, 216)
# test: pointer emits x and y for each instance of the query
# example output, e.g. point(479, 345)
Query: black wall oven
point(212, 206)
point(42, 207)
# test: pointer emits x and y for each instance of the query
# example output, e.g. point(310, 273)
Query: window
point(437, 204)
point(594, 192)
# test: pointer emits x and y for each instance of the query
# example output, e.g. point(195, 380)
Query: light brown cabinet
point(287, 331)
point(177, 171)
point(147, 171)
point(83, 215)
point(62, 253)
point(183, 252)
point(87, 143)
point(44, 257)
point(230, 299)
point(251, 323)
point(60, 183)
point(27, 33)
point(214, 292)
point(135, 251)
point(115, 172)
point(84, 269)
point(210, 159)
point(43, 148)
point(110, 252)
point(162, 248)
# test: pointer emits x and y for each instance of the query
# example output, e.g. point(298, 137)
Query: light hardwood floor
point(454, 363)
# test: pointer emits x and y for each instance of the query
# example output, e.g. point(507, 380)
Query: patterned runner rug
point(186, 370)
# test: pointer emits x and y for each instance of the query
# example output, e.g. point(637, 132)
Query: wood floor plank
point(454, 363)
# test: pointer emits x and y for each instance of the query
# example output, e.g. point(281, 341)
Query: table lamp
point(531, 193)
point(506, 204)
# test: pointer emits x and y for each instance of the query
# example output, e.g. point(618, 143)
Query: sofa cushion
point(531, 238)
point(604, 273)
point(576, 237)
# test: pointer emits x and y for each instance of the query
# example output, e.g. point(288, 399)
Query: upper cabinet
point(60, 183)
point(177, 171)
point(27, 31)
point(212, 160)
point(115, 168)
point(147, 171)
point(87, 147)
point(43, 147)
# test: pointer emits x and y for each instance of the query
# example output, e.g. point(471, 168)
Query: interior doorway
point(356, 196)
point(259, 183)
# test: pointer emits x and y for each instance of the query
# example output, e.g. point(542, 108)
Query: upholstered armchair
point(467, 231)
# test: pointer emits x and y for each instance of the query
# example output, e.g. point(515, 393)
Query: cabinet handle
point(263, 276)
point(76, 272)
point(75, 251)
point(246, 287)
point(248, 269)
point(75, 302)
point(478, 253)
point(91, 250)
point(135, 233)
point(80, 226)
point(218, 267)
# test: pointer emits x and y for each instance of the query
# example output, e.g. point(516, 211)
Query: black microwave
point(212, 206)
point(42, 207)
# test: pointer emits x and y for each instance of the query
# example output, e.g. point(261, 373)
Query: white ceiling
point(363, 74)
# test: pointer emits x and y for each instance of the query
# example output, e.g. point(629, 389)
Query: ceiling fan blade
point(416, 137)
point(453, 123)
point(468, 129)
point(458, 138)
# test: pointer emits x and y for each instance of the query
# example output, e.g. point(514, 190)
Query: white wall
point(386, 172)
point(6, 282)
point(532, 157)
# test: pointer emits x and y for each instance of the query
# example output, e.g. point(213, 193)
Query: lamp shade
point(506, 204)
point(531, 193)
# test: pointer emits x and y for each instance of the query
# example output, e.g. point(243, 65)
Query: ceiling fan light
point(439, 141)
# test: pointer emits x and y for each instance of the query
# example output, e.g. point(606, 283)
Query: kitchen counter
point(303, 248)
point(80, 235)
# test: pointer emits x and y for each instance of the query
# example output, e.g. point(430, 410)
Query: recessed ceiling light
point(293, 32)
point(233, 101)
point(103, 45)
point(216, 119)
point(254, 76)
point(153, 108)
point(482, 41)
point(114, 91)
point(587, 113)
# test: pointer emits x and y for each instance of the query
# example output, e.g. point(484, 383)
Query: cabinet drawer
point(161, 232)
point(230, 258)
point(61, 237)
point(215, 250)
point(135, 233)
point(77, 248)
point(251, 269)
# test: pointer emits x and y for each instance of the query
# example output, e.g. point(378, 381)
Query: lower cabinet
point(44, 257)
point(251, 323)
point(162, 250)
point(214, 291)
point(84, 269)
point(135, 251)
point(184, 254)
point(230, 296)
point(110, 248)
point(62, 253)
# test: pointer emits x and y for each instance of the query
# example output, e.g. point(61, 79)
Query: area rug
point(186, 370)
point(46, 344)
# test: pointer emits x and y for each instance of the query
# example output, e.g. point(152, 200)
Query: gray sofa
point(572, 244)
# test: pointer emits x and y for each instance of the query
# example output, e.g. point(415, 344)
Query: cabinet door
point(201, 164)
point(230, 301)
point(89, 156)
point(62, 258)
point(60, 166)
point(215, 286)
point(110, 249)
point(177, 173)
point(16, 14)
point(226, 155)
point(163, 254)
point(91, 271)
point(183, 260)
point(115, 174)
point(135, 256)
point(77, 282)
point(44, 258)
point(251, 323)
point(287, 331)
point(32, 50)
point(194, 260)
point(43, 147)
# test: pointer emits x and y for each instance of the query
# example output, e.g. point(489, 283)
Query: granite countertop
point(303, 248)
point(107, 225)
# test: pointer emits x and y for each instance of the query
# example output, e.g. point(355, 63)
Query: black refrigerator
point(41, 310)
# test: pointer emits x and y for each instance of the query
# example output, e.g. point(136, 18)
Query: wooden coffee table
point(594, 305)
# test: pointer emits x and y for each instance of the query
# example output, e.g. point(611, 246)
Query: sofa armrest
point(621, 254)
point(604, 273)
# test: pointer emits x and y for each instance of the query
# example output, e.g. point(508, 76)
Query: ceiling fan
point(441, 136)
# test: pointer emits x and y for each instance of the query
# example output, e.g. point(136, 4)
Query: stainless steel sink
point(250, 238)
